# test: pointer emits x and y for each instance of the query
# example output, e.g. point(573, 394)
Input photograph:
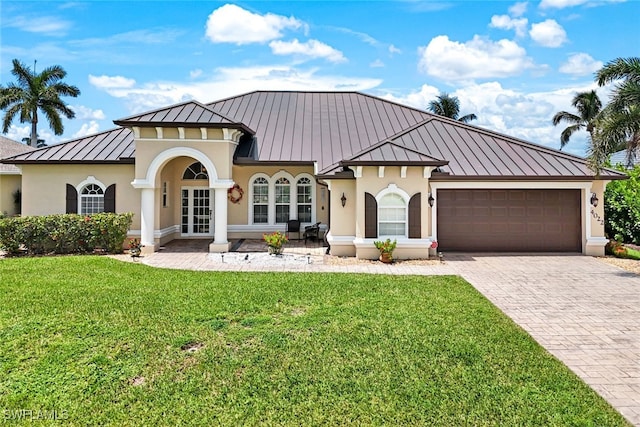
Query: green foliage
point(64, 234)
point(386, 246)
point(275, 240)
point(622, 208)
point(106, 342)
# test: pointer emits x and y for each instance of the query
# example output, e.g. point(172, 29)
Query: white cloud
point(233, 24)
point(548, 33)
point(518, 9)
point(87, 129)
point(419, 99)
point(86, 113)
point(311, 49)
point(194, 74)
point(393, 50)
point(45, 24)
point(505, 22)
point(478, 58)
point(560, 4)
point(580, 64)
point(376, 64)
point(164, 36)
point(17, 133)
point(232, 81)
point(111, 82)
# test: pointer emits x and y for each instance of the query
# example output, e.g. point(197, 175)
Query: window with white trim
point(282, 200)
point(260, 201)
point(392, 215)
point(304, 199)
point(91, 199)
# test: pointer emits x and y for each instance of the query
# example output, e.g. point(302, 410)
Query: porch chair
point(293, 226)
point(312, 232)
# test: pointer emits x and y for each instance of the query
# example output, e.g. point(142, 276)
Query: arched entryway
point(205, 203)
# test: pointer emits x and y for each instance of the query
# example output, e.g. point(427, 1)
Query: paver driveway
point(582, 310)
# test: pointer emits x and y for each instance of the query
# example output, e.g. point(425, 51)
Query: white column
point(220, 216)
point(147, 216)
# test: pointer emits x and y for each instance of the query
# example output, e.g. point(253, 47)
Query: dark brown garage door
point(509, 220)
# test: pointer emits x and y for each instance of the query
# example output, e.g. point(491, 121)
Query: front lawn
point(105, 342)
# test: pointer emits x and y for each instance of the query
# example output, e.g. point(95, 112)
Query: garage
point(509, 220)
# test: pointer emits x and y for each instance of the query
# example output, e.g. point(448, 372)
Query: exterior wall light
point(431, 200)
point(594, 200)
point(343, 199)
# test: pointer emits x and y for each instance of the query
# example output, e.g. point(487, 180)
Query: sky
point(513, 64)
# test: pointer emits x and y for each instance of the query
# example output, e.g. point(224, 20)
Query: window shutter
point(110, 199)
point(370, 216)
point(72, 199)
point(415, 230)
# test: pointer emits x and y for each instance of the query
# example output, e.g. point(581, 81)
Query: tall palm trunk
point(33, 141)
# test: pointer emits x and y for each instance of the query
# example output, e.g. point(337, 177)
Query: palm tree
point(34, 92)
point(588, 106)
point(620, 121)
point(449, 106)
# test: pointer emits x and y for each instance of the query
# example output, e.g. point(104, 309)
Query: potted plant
point(386, 249)
point(275, 241)
point(135, 248)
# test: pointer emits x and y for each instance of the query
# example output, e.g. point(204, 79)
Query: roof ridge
point(194, 101)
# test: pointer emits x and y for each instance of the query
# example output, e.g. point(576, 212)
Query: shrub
point(64, 234)
point(622, 208)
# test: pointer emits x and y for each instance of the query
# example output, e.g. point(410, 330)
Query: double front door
point(196, 212)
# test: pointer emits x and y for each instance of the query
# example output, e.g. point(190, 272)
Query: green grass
point(277, 348)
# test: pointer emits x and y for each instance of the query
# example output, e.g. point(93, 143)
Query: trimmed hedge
point(65, 233)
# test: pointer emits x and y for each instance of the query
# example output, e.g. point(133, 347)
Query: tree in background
point(619, 124)
point(588, 106)
point(34, 92)
point(449, 106)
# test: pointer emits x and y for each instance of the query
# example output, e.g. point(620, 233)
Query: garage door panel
point(509, 220)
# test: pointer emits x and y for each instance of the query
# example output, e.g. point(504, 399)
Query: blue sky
point(513, 64)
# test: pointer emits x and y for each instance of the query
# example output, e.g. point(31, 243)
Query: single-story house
point(10, 179)
point(368, 168)
point(626, 159)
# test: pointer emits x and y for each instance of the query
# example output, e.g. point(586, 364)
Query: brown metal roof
point(112, 146)
point(338, 128)
point(480, 153)
point(188, 114)
point(8, 148)
point(325, 127)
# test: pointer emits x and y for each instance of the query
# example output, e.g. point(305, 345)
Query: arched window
point(195, 171)
point(260, 201)
point(304, 199)
point(392, 215)
point(91, 199)
point(282, 199)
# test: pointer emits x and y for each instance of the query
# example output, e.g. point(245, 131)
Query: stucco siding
point(9, 184)
point(44, 187)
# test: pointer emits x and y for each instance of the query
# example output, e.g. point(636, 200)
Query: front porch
point(294, 247)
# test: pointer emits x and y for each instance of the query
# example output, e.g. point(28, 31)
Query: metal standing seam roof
point(8, 148)
point(112, 146)
point(476, 152)
point(188, 114)
point(332, 128)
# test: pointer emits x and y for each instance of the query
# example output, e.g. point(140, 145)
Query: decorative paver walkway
point(583, 311)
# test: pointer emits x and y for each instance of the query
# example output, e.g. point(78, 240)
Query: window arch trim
point(394, 189)
point(91, 180)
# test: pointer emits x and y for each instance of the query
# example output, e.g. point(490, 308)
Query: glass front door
point(196, 212)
